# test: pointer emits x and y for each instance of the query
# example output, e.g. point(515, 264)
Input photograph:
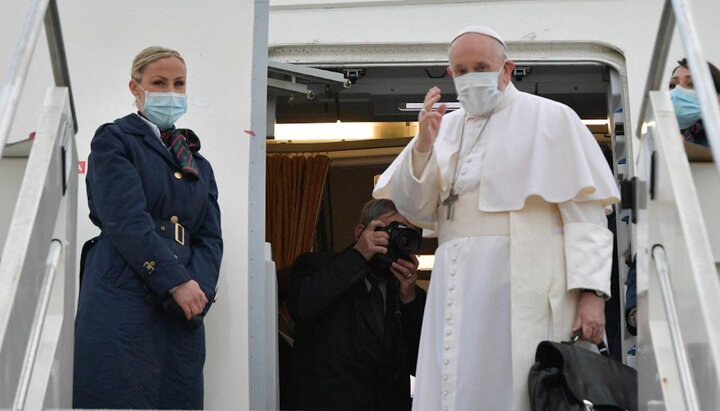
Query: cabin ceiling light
point(595, 122)
point(426, 262)
point(324, 131)
point(419, 106)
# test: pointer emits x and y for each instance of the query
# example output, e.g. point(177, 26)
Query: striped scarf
point(182, 142)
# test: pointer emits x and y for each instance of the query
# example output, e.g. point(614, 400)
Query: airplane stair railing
point(677, 284)
point(36, 300)
point(37, 260)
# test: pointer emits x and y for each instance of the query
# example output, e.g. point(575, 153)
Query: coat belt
point(173, 231)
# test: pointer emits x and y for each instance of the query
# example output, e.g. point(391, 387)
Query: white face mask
point(478, 92)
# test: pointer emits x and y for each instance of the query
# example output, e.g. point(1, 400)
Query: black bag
point(569, 378)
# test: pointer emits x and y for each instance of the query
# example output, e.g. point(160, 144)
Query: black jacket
point(340, 361)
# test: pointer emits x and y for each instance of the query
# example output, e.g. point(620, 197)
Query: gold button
point(174, 219)
point(162, 228)
point(178, 175)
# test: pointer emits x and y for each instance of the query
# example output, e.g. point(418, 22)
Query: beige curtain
point(294, 193)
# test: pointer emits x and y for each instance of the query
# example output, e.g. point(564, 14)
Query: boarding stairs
point(678, 288)
point(38, 212)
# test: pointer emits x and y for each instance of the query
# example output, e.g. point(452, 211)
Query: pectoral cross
point(449, 202)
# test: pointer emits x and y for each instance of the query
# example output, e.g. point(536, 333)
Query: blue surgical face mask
point(164, 109)
point(478, 92)
point(687, 108)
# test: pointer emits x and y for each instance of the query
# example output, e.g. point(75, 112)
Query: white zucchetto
point(480, 30)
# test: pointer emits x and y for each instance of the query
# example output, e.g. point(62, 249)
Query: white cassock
point(528, 233)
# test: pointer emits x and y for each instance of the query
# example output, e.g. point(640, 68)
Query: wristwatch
point(598, 293)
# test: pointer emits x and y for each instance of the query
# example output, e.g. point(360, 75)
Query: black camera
point(403, 242)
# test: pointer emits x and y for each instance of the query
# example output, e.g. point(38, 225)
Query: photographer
point(357, 318)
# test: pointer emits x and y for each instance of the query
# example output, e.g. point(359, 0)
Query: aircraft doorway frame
point(523, 53)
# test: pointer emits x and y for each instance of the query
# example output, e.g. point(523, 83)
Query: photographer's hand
point(190, 298)
point(406, 273)
point(371, 242)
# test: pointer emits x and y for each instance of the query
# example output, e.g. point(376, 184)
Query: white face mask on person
point(478, 92)
point(164, 108)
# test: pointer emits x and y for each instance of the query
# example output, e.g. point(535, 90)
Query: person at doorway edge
point(515, 187)
point(357, 326)
point(152, 272)
point(686, 104)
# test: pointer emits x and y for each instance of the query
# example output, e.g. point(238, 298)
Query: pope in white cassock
point(515, 187)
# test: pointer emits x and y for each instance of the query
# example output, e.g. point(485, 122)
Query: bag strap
point(575, 337)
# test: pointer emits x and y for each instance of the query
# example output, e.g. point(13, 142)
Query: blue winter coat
point(128, 352)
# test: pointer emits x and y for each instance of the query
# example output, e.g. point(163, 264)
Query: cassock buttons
point(178, 175)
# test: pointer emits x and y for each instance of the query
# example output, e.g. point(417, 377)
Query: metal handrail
point(657, 62)
point(681, 360)
point(10, 94)
point(679, 10)
point(39, 11)
point(36, 331)
point(56, 46)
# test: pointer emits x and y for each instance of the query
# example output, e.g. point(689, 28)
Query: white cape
point(542, 149)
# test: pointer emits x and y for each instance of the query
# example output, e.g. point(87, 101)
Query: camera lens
point(407, 241)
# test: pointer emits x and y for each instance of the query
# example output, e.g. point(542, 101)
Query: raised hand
point(429, 121)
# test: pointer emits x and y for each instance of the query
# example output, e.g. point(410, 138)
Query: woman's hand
point(429, 121)
point(190, 298)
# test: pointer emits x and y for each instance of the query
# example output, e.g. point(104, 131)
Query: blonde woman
point(149, 278)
